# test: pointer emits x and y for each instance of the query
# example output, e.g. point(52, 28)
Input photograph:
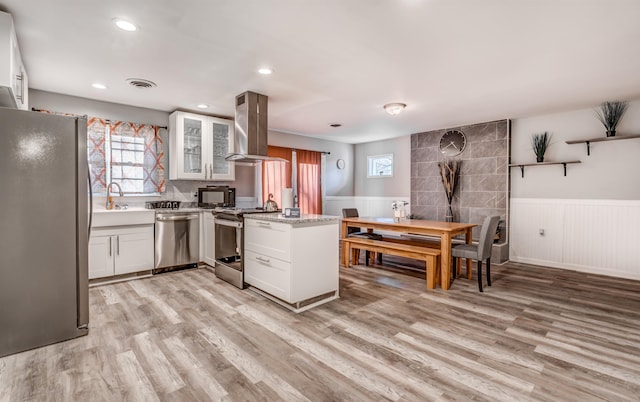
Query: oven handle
point(224, 222)
point(176, 217)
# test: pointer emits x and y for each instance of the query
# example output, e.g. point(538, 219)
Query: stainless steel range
point(229, 243)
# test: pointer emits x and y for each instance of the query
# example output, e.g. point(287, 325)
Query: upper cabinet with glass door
point(197, 146)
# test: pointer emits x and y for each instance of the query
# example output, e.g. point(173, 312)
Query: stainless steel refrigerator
point(44, 229)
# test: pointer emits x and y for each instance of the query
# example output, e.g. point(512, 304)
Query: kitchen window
point(380, 166)
point(127, 153)
point(130, 154)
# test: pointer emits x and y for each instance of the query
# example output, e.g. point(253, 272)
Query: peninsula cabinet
point(120, 250)
point(197, 147)
point(13, 76)
point(292, 262)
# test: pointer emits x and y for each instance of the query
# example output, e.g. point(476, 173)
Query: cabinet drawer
point(271, 239)
point(268, 274)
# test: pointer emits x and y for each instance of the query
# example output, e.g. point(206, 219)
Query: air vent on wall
point(141, 83)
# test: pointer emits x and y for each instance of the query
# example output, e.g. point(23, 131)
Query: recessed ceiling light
point(202, 106)
point(97, 85)
point(125, 25)
point(265, 71)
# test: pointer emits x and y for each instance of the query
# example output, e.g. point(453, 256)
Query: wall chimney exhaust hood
point(250, 144)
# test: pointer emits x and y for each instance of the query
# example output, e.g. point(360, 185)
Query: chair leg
point(488, 271)
point(480, 275)
point(380, 258)
point(366, 257)
point(455, 266)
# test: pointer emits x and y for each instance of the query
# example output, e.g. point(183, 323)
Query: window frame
point(371, 159)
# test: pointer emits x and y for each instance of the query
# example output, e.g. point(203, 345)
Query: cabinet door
point(208, 239)
point(188, 146)
point(221, 144)
point(134, 250)
point(268, 274)
point(100, 256)
point(272, 239)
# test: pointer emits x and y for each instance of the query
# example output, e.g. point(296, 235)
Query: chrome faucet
point(109, 204)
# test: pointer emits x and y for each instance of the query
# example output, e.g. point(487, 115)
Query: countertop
point(303, 219)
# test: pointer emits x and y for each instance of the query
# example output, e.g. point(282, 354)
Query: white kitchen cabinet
point(292, 262)
point(13, 76)
point(120, 250)
point(198, 145)
point(207, 237)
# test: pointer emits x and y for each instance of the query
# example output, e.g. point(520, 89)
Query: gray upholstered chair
point(480, 251)
point(354, 232)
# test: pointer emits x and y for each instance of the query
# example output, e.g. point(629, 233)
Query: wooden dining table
point(444, 230)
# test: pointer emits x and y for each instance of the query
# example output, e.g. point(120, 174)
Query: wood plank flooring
point(538, 334)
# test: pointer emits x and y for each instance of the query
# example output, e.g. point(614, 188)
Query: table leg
point(467, 237)
point(344, 251)
point(445, 260)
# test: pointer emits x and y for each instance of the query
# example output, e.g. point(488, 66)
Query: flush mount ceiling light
point(97, 85)
point(265, 70)
point(202, 106)
point(394, 108)
point(125, 25)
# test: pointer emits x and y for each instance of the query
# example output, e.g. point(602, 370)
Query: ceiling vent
point(141, 83)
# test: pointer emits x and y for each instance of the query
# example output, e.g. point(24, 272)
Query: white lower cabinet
point(207, 238)
point(120, 250)
point(291, 262)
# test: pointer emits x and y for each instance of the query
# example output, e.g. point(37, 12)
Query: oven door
point(228, 251)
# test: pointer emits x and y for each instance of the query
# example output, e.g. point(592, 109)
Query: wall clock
point(453, 143)
point(340, 163)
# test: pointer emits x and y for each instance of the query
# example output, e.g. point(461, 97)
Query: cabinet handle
point(265, 224)
point(118, 245)
point(21, 79)
point(110, 246)
point(264, 260)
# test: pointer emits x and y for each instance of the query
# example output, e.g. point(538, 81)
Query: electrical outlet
point(541, 232)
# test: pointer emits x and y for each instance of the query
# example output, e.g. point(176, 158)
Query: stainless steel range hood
point(251, 134)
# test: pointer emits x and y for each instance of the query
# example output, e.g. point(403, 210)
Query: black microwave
point(216, 196)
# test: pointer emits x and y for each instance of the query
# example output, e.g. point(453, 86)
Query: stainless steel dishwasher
point(177, 239)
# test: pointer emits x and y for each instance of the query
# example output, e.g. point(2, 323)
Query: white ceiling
point(454, 62)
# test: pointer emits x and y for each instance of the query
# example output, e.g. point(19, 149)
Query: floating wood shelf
point(522, 165)
point(601, 139)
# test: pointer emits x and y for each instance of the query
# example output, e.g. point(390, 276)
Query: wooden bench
point(431, 256)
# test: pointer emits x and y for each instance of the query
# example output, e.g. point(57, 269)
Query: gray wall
point(483, 187)
point(611, 172)
point(397, 186)
point(338, 182)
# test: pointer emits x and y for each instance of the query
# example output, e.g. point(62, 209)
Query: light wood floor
point(536, 334)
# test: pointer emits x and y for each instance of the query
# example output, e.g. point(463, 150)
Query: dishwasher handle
point(162, 218)
point(224, 222)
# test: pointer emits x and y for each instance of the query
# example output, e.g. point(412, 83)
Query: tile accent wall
point(483, 188)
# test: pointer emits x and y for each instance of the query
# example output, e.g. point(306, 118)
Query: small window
point(380, 165)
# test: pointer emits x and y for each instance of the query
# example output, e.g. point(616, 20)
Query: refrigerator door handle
point(90, 201)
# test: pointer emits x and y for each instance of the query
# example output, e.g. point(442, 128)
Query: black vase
point(539, 159)
point(611, 133)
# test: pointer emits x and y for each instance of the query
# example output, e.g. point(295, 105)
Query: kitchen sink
point(122, 217)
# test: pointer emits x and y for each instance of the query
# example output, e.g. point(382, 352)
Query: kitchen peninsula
point(292, 261)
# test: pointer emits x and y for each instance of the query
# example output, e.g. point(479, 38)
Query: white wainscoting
point(367, 206)
point(597, 236)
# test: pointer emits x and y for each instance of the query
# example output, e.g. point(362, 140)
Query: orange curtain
point(276, 175)
point(308, 165)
